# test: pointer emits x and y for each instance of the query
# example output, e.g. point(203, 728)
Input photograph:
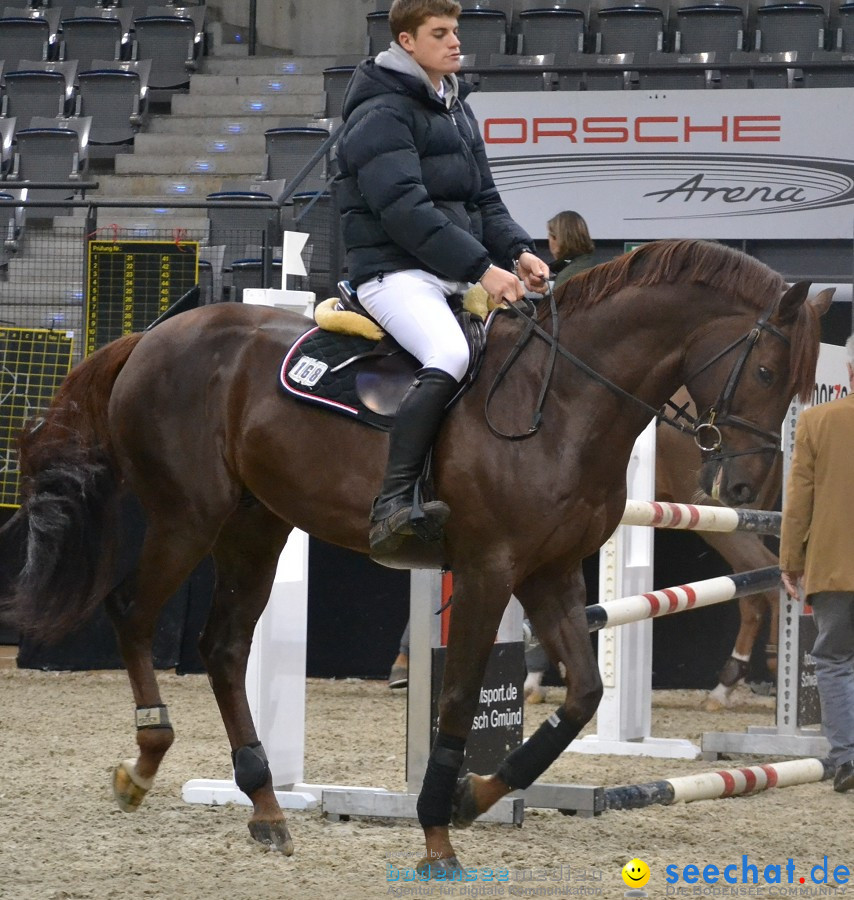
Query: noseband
point(705, 429)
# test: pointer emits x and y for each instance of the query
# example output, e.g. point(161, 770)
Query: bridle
point(705, 428)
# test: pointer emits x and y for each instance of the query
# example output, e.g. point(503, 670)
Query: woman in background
point(570, 245)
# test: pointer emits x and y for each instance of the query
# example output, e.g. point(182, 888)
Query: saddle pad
point(320, 368)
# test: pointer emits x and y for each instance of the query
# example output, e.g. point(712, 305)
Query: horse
point(186, 428)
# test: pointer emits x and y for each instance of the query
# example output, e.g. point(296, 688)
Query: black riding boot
point(415, 426)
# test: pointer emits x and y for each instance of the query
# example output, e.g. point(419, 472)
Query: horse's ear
point(821, 302)
point(792, 301)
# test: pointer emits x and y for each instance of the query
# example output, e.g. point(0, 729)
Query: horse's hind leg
point(554, 603)
point(166, 559)
point(246, 555)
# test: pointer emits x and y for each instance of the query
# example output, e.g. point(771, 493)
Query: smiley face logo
point(636, 873)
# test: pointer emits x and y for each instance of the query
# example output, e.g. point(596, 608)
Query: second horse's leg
point(246, 555)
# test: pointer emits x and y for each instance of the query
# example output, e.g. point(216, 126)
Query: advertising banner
point(741, 164)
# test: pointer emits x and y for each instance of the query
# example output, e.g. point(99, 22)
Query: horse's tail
point(58, 549)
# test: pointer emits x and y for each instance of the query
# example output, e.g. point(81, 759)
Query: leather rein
point(705, 429)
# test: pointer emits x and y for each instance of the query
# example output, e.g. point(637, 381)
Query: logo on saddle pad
point(308, 371)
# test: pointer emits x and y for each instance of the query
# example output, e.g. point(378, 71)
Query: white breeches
point(410, 306)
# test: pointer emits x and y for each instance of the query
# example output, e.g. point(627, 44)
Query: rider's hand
point(502, 285)
point(791, 582)
point(534, 272)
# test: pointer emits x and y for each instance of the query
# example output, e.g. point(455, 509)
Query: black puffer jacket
point(414, 187)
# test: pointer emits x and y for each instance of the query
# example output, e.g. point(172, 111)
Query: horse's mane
point(700, 262)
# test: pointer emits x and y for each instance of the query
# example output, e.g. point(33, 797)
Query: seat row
point(697, 26)
point(172, 37)
point(113, 96)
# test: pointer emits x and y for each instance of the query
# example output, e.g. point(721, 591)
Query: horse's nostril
point(741, 494)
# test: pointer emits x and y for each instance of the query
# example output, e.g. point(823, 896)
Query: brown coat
point(818, 514)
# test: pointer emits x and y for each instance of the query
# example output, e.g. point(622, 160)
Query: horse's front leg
point(479, 602)
point(554, 602)
point(246, 556)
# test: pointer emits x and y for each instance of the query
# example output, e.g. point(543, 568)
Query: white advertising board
point(741, 164)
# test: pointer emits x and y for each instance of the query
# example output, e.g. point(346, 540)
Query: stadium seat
point(335, 81)
point(86, 39)
point(314, 214)
point(180, 11)
point(242, 231)
point(378, 35)
point(170, 43)
point(709, 26)
point(483, 32)
point(11, 223)
point(790, 25)
point(57, 152)
point(628, 27)
point(289, 150)
point(23, 38)
point(115, 95)
point(49, 14)
point(518, 73)
point(670, 71)
point(556, 31)
point(843, 38)
point(7, 135)
point(827, 69)
point(31, 93)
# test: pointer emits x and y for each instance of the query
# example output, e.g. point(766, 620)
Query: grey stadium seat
point(518, 73)
point(170, 43)
point(30, 93)
point(790, 25)
point(86, 39)
point(622, 27)
point(115, 95)
point(709, 26)
point(23, 38)
point(242, 231)
point(482, 33)
point(557, 31)
point(290, 149)
point(51, 154)
point(335, 81)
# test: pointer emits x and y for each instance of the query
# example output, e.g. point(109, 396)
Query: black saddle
point(362, 378)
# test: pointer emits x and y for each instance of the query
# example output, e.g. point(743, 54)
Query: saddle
point(348, 365)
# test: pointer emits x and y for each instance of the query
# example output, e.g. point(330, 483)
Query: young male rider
point(422, 219)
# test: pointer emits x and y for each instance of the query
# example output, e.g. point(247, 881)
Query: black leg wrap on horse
point(437, 793)
point(733, 671)
point(526, 763)
point(251, 769)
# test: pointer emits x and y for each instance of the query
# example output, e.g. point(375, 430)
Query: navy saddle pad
point(350, 375)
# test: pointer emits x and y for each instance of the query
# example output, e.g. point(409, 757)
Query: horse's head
point(742, 374)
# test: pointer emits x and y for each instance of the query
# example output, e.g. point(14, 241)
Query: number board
point(33, 363)
point(130, 283)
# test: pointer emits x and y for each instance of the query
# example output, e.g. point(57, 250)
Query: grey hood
point(398, 60)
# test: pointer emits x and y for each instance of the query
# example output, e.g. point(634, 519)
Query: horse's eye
point(766, 376)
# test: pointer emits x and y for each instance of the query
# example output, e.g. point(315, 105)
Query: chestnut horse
point(187, 421)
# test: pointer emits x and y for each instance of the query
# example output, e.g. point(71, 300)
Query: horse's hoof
point(464, 808)
point(450, 865)
point(537, 695)
point(274, 835)
point(129, 789)
point(712, 705)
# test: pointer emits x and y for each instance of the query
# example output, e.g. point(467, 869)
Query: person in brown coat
point(816, 551)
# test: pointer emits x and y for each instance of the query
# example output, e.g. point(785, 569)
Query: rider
point(421, 219)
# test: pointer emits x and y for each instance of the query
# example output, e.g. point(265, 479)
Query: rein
point(707, 425)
